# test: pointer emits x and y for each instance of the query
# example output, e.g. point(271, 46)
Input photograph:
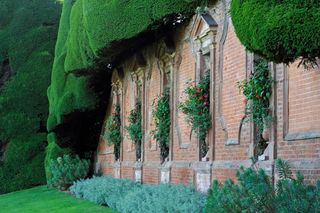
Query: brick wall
point(184, 147)
point(298, 125)
point(231, 102)
point(128, 97)
point(294, 134)
point(153, 81)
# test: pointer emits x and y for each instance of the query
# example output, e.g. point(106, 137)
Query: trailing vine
point(135, 129)
point(257, 91)
point(197, 110)
point(161, 115)
point(113, 131)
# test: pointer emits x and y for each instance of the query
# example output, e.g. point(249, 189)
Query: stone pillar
point(117, 169)
point(138, 171)
point(203, 176)
point(165, 172)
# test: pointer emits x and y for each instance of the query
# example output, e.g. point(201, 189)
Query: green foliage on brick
point(112, 133)
point(27, 38)
point(278, 30)
point(162, 118)
point(257, 91)
point(134, 127)
point(197, 110)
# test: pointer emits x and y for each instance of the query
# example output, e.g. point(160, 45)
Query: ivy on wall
point(257, 91)
point(279, 30)
point(197, 110)
point(161, 115)
point(134, 128)
point(112, 132)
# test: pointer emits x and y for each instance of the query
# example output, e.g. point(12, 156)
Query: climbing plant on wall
point(279, 30)
point(257, 91)
point(113, 131)
point(135, 129)
point(161, 115)
point(197, 110)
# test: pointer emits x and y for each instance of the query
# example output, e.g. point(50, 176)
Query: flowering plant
point(112, 132)
point(135, 128)
point(258, 92)
point(197, 110)
point(161, 115)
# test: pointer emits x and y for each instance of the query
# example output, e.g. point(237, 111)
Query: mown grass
point(41, 199)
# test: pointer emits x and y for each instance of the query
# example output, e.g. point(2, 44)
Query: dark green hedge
point(88, 28)
point(28, 32)
point(23, 165)
point(278, 30)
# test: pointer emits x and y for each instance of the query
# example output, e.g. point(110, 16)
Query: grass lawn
point(44, 200)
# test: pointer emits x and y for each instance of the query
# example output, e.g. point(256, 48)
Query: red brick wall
point(184, 148)
point(304, 99)
point(129, 95)
point(223, 174)
point(150, 175)
point(152, 91)
point(298, 124)
point(127, 172)
point(232, 101)
point(182, 175)
point(296, 114)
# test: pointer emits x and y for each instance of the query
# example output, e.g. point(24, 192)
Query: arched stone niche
point(203, 34)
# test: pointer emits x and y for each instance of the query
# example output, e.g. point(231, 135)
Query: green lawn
point(41, 199)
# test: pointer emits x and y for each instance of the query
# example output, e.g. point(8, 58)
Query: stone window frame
point(270, 149)
point(137, 77)
point(117, 93)
point(204, 45)
point(116, 96)
point(148, 110)
point(166, 65)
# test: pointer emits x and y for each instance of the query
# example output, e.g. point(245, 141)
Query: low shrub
point(163, 198)
point(255, 192)
point(103, 190)
point(65, 170)
point(127, 196)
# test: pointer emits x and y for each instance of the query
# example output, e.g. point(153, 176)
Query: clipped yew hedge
point(92, 34)
point(279, 30)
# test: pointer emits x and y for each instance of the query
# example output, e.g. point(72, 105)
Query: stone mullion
point(212, 100)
